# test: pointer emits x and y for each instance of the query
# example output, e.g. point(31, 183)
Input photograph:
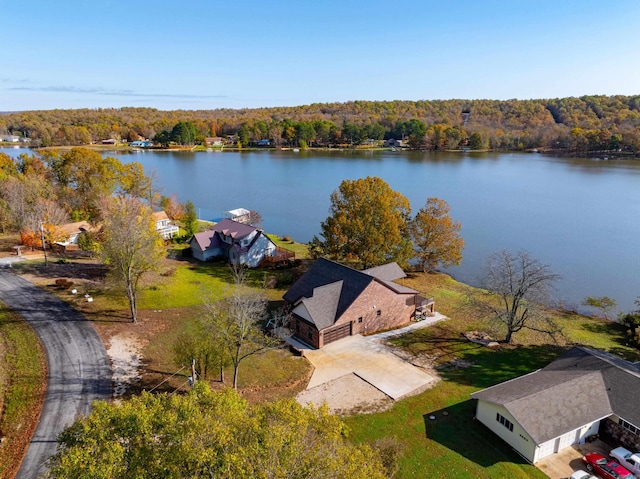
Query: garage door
point(546, 449)
point(339, 332)
point(567, 440)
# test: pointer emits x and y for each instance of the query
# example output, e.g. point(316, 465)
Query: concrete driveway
point(370, 359)
point(78, 367)
point(562, 464)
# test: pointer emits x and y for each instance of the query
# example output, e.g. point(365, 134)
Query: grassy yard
point(22, 388)
point(453, 444)
point(167, 307)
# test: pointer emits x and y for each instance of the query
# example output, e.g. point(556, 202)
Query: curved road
point(79, 371)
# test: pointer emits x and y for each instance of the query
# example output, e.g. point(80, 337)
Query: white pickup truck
point(627, 459)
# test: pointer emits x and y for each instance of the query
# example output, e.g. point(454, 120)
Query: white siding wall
point(518, 438)
point(261, 248)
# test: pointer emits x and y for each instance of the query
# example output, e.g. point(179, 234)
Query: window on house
point(360, 319)
point(379, 312)
point(297, 325)
point(310, 334)
point(628, 426)
point(504, 421)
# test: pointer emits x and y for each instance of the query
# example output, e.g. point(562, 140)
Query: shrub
point(168, 272)
point(63, 283)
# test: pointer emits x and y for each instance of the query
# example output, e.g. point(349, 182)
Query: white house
point(579, 394)
point(165, 228)
point(238, 242)
point(71, 233)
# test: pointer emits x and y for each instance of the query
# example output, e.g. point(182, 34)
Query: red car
point(605, 468)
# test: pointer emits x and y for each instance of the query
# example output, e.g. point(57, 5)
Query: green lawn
point(300, 249)
point(454, 445)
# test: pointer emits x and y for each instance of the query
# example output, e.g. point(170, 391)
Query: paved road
point(79, 371)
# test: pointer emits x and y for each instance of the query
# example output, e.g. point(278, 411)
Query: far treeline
point(572, 125)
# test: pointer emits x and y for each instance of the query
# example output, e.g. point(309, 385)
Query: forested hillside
point(589, 123)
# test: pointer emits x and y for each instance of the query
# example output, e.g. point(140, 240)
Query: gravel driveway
point(78, 367)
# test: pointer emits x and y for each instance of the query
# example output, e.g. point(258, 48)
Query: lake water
point(580, 216)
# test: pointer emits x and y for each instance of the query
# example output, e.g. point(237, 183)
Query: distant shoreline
point(601, 155)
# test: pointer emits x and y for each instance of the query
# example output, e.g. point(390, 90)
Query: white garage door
point(567, 440)
point(546, 449)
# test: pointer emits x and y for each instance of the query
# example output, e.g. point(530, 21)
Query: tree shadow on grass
point(455, 428)
point(481, 367)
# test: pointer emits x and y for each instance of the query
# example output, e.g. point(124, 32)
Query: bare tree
point(255, 218)
point(131, 246)
point(519, 286)
point(234, 323)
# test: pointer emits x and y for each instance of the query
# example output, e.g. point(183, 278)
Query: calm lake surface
point(580, 216)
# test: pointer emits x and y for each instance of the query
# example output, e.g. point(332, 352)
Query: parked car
point(628, 459)
point(582, 475)
point(605, 468)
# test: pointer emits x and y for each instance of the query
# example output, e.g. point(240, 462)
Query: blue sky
point(211, 54)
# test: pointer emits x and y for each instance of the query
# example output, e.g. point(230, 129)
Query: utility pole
point(44, 246)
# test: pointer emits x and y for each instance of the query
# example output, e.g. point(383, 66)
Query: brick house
point(332, 301)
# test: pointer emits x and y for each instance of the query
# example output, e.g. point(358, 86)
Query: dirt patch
point(481, 337)
point(126, 362)
point(346, 396)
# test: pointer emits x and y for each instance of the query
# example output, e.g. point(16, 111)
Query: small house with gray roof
point(582, 393)
point(238, 242)
point(332, 301)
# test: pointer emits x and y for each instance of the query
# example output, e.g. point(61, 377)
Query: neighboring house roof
point(581, 386)
point(159, 216)
point(74, 228)
point(347, 285)
point(206, 239)
point(233, 228)
point(211, 239)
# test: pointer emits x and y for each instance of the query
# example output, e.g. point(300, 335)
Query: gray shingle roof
point(323, 305)
point(386, 272)
point(326, 272)
point(581, 386)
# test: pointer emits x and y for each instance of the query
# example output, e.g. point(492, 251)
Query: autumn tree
point(234, 323)
point(83, 177)
point(130, 246)
point(171, 206)
point(206, 434)
point(518, 288)
point(368, 223)
point(436, 237)
point(31, 238)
